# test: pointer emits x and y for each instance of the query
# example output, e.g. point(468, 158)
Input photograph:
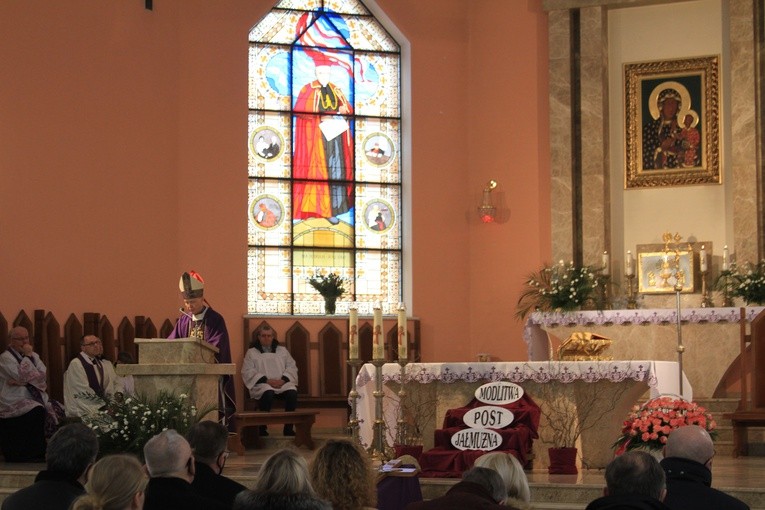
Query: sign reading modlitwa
point(499, 393)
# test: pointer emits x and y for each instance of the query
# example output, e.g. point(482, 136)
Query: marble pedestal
point(182, 365)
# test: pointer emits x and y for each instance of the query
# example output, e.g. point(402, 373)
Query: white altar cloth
point(662, 377)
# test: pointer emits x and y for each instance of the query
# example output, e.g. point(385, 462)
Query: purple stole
point(90, 371)
point(33, 390)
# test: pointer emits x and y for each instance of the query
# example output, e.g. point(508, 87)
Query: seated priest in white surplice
point(88, 377)
point(270, 371)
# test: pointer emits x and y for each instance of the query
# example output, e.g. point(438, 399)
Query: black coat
point(626, 502)
point(176, 494)
point(214, 486)
point(51, 490)
point(689, 487)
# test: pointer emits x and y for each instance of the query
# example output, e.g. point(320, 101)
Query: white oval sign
point(499, 393)
point(488, 417)
point(477, 439)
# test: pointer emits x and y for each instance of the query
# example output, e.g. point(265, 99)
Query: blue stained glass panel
point(269, 78)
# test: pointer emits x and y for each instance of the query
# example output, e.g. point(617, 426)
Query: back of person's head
point(116, 482)
point(208, 439)
point(635, 473)
point(510, 470)
point(167, 454)
point(489, 480)
point(690, 442)
point(251, 500)
point(284, 472)
point(341, 474)
point(71, 450)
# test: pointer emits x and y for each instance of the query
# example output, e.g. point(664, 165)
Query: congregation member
point(71, 451)
point(283, 484)
point(89, 379)
point(208, 441)
point(171, 470)
point(24, 404)
point(269, 372)
point(480, 488)
point(116, 482)
point(198, 320)
point(687, 464)
point(634, 480)
point(341, 473)
point(511, 471)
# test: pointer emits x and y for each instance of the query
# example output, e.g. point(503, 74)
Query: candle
point(606, 264)
point(725, 258)
point(703, 259)
point(402, 340)
point(378, 343)
point(353, 332)
point(630, 267)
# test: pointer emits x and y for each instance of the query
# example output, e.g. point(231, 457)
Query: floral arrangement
point(747, 283)
point(648, 426)
point(558, 287)
point(125, 424)
point(330, 285)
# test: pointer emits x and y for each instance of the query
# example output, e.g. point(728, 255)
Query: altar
point(434, 388)
point(711, 337)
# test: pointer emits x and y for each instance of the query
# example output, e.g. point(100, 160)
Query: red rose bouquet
point(649, 425)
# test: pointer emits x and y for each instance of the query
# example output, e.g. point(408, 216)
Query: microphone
point(184, 312)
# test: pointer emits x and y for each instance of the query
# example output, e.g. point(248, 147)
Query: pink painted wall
point(123, 156)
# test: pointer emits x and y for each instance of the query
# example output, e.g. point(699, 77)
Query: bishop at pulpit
point(181, 365)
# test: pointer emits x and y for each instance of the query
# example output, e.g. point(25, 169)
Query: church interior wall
point(123, 160)
point(641, 215)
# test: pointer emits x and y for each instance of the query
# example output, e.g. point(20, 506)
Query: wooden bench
point(741, 420)
point(303, 421)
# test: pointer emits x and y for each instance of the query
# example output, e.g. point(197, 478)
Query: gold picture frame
point(672, 122)
point(657, 272)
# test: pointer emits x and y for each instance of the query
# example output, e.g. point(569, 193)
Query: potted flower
point(561, 287)
point(331, 286)
point(125, 424)
point(569, 410)
point(747, 283)
point(648, 426)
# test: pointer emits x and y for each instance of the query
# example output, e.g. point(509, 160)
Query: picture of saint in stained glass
point(378, 216)
point(266, 212)
point(378, 149)
point(266, 143)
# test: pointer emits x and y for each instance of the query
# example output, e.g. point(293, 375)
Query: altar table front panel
point(710, 336)
point(443, 386)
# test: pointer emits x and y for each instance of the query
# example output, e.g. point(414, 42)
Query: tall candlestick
point(378, 342)
point(606, 264)
point(629, 269)
point(353, 332)
point(703, 259)
point(402, 340)
point(725, 258)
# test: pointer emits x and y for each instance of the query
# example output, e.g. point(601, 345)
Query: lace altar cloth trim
point(647, 316)
point(539, 372)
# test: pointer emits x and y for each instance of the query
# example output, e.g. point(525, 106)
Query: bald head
point(168, 454)
point(690, 442)
point(18, 332)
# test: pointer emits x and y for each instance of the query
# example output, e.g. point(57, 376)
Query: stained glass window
point(324, 132)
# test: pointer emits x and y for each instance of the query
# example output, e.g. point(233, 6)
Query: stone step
point(15, 479)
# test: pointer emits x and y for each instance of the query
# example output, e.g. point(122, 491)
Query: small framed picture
point(659, 271)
